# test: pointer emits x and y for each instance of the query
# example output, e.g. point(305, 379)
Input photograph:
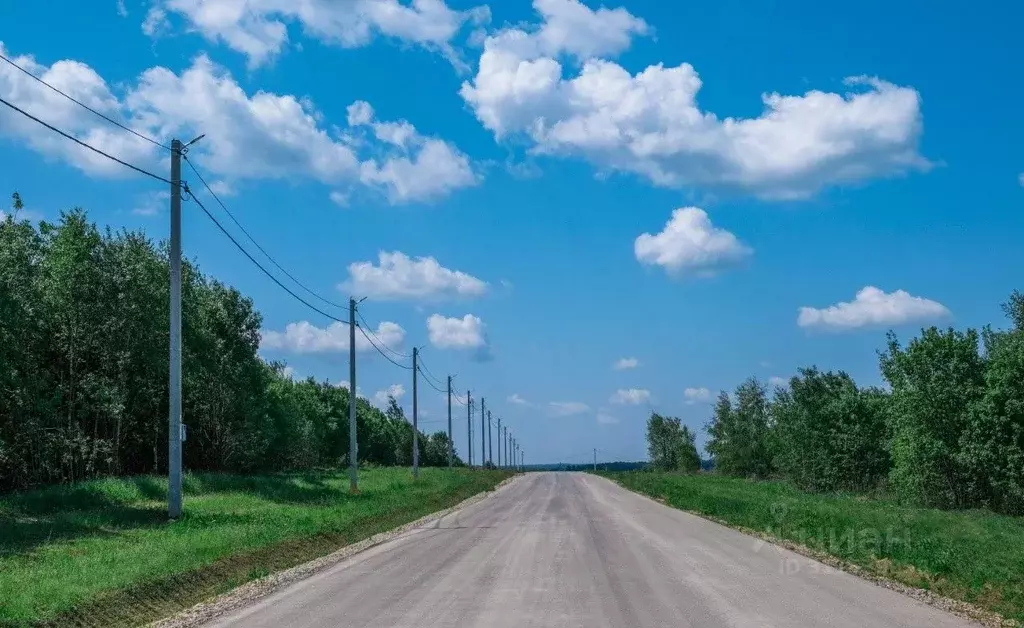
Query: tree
point(829, 435)
point(739, 432)
point(992, 444)
point(671, 445)
point(934, 380)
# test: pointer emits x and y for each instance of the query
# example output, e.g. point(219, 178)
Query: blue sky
point(508, 160)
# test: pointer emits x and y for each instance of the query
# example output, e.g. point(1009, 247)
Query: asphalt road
point(565, 549)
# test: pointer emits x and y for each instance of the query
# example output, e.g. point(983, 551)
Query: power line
point(401, 356)
point(386, 356)
point(258, 265)
point(85, 106)
point(427, 379)
point(427, 374)
point(253, 240)
point(83, 144)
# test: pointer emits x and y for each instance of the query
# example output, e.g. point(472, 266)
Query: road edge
point(255, 590)
point(960, 608)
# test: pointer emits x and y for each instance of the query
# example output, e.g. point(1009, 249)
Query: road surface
point(567, 549)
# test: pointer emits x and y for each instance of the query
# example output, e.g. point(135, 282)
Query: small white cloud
point(775, 380)
point(872, 307)
point(631, 396)
point(456, 333)
point(567, 408)
point(398, 276)
point(156, 22)
point(305, 337)
point(288, 372)
point(690, 244)
point(121, 9)
point(516, 399)
point(696, 395)
point(394, 390)
point(626, 363)
point(1020, 179)
point(152, 203)
point(606, 419)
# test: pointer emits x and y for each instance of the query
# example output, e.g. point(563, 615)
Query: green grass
point(972, 556)
point(102, 553)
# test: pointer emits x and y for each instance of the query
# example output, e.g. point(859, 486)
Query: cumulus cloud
point(259, 29)
point(631, 396)
point(566, 408)
point(697, 395)
point(626, 363)
point(262, 136)
point(456, 333)
point(397, 276)
point(690, 244)
point(870, 308)
point(394, 390)
point(650, 123)
point(775, 380)
point(305, 337)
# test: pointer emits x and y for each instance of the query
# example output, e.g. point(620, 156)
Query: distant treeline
point(948, 431)
point(84, 363)
point(601, 466)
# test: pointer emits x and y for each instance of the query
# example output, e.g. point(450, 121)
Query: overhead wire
point(85, 106)
point(84, 144)
point(399, 354)
point(380, 351)
point(253, 240)
point(258, 265)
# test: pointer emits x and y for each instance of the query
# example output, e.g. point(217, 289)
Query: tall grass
point(102, 553)
point(974, 556)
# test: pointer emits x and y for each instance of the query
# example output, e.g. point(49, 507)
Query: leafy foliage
point(948, 433)
point(84, 362)
point(828, 434)
point(739, 432)
point(671, 445)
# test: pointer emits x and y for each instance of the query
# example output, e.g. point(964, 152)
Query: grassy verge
point(102, 553)
point(973, 556)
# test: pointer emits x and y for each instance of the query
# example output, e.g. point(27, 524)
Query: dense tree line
point(84, 363)
point(947, 432)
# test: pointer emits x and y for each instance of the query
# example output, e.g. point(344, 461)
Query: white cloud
point(121, 9)
point(631, 396)
point(420, 168)
point(775, 380)
point(606, 419)
point(567, 408)
point(626, 363)
point(697, 395)
point(1020, 179)
point(152, 203)
point(305, 337)
point(516, 399)
point(263, 136)
point(394, 390)
point(650, 123)
point(156, 22)
point(259, 29)
point(690, 244)
point(397, 276)
point(872, 307)
point(456, 333)
point(288, 372)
